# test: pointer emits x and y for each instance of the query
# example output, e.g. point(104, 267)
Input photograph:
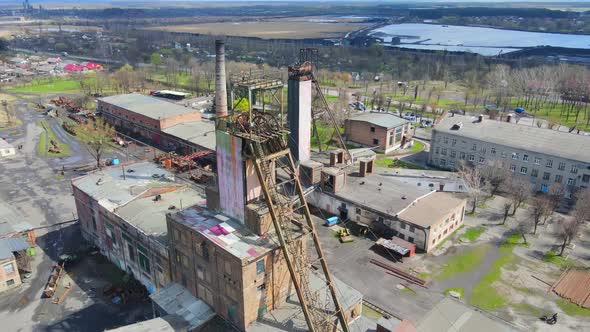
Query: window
point(586, 178)
point(570, 182)
point(493, 150)
point(481, 160)
point(372, 129)
point(454, 142)
point(446, 140)
point(443, 162)
point(401, 236)
point(546, 176)
point(260, 266)
point(561, 166)
point(482, 150)
point(453, 154)
point(261, 288)
point(462, 155)
point(512, 168)
point(474, 147)
point(452, 163)
point(549, 163)
point(9, 282)
point(358, 211)
point(144, 261)
point(523, 170)
point(503, 154)
point(131, 252)
point(391, 139)
point(444, 152)
point(205, 251)
point(402, 225)
point(412, 229)
point(436, 150)
point(558, 178)
point(534, 173)
point(200, 273)
point(574, 169)
point(94, 223)
point(515, 155)
point(537, 161)
point(525, 158)
point(410, 239)
point(375, 141)
point(8, 268)
point(471, 157)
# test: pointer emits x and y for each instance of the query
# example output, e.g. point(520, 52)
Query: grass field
point(44, 144)
point(395, 163)
point(473, 233)
point(572, 309)
point(469, 260)
point(49, 85)
point(284, 28)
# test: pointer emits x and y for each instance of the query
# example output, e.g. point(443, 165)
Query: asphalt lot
point(33, 187)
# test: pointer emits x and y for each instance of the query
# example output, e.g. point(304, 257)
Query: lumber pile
point(400, 274)
point(53, 280)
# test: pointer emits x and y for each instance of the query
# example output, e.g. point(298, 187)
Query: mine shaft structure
point(264, 141)
point(263, 91)
point(308, 58)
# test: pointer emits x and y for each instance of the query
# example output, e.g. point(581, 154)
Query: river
point(485, 41)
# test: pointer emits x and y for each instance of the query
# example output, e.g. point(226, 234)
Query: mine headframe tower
point(265, 145)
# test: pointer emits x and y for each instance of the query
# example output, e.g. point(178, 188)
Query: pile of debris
point(67, 103)
point(54, 148)
point(69, 127)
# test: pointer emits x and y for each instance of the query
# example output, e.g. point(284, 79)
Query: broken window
point(8, 268)
point(260, 266)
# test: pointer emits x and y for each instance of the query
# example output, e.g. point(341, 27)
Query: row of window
point(515, 155)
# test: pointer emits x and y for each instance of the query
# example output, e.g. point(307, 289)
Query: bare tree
point(496, 176)
point(541, 211)
point(582, 208)
point(96, 138)
point(555, 193)
point(523, 227)
point(507, 206)
point(472, 176)
point(519, 191)
point(567, 231)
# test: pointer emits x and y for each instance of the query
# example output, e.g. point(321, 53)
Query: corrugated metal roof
point(201, 133)
point(11, 244)
point(381, 119)
point(531, 138)
point(177, 300)
point(151, 107)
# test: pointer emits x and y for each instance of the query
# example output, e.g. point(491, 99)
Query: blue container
point(332, 221)
point(519, 110)
point(115, 161)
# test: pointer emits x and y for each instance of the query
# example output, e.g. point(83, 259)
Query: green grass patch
point(514, 239)
point(371, 313)
point(325, 133)
point(484, 295)
point(424, 275)
point(395, 163)
point(417, 147)
point(468, 260)
point(473, 233)
point(49, 85)
point(330, 98)
point(459, 290)
point(552, 256)
point(572, 309)
point(44, 144)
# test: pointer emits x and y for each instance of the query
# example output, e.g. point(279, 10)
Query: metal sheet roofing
point(11, 244)
point(177, 300)
point(430, 209)
point(151, 107)
point(201, 133)
point(381, 119)
point(540, 140)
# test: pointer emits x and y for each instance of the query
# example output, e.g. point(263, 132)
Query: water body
point(485, 41)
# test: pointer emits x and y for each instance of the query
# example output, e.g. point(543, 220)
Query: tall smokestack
point(220, 85)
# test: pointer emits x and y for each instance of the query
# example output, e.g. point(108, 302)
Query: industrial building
point(10, 251)
point(417, 214)
point(163, 123)
point(122, 211)
point(384, 131)
point(540, 155)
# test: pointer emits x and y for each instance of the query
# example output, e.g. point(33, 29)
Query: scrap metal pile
point(180, 164)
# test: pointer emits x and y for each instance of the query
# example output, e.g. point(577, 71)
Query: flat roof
point(201, 133)
point(531, 138)
point(227, 234)
point(149, 215)
point(112, 190)
point(151, 107)
point(382, 193)
point(11, 244)
point(430, 209)
point(4, 144)
point(177, 300)
point(381, 119)
point(452, 315)
point(168, 323)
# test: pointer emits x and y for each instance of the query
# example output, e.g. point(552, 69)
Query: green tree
point(96, 136)
point(156, 59)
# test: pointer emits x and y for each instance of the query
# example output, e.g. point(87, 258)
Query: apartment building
point(542, 156)
point(385, 131)
point(123, 213)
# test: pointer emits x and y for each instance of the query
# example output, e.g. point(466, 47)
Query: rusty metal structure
point(263, 91)
point(263, 142)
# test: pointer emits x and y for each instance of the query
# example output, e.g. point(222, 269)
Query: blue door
point(544, 188)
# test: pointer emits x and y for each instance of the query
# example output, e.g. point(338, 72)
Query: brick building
point(10, 250)
point(125, 217)
point(385, 131)
point(163, 123)
point(540, 155)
